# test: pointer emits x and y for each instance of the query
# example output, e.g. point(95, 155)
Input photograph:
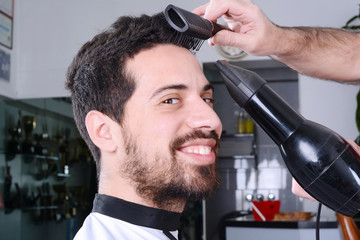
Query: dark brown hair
point(97, 78)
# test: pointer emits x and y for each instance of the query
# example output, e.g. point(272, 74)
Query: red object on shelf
point(265, 210)
point(1, 202)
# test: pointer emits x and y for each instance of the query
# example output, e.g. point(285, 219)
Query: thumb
point(200, 10)
point(228, 38)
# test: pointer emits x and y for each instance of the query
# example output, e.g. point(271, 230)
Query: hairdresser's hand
point(354, 145)
point(299, 191)
point(253, 32)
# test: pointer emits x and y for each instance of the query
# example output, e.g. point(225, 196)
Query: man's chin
point(175, 194)
point(186, 182)
point(203, 184)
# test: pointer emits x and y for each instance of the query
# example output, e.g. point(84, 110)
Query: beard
point(167, 180)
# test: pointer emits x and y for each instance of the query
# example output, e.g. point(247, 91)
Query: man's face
point(170, 131)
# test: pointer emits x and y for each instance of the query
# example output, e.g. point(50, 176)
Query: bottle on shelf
point(249, 124)
point(241, 122)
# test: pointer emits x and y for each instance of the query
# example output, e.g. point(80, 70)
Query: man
point(319, 52)
point(144, 107)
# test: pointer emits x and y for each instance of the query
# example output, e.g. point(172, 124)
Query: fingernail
point(210, 41)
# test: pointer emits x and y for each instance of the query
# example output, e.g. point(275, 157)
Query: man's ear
point(98, 126)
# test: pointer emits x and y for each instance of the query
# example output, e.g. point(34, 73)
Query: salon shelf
point(237, 137)
point(238, 147)
point(28, 158)
point(46, 157)
point(63, 175)
point(234, 157)
point(36, 156)
point(40, 208)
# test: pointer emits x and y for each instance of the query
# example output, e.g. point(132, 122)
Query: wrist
point(274, 42)
point(287, 42)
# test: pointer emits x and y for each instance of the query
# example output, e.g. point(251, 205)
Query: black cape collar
point(135, 213)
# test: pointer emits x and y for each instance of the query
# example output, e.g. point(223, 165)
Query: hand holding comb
point(191, 27)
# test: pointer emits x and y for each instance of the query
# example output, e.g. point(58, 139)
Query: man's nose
point(202, 116)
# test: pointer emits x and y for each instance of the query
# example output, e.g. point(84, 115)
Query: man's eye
point(209, 100)
point(171, 101)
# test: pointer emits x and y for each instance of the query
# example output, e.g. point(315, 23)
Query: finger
point(210, 41)
point(215, 10)
point(229, 38)
point(200, 10)
point(354, 145)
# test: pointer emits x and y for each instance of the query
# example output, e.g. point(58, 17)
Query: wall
point(49, 41)
point(8, 89)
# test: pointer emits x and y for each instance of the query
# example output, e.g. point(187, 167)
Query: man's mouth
point(199, 151)
point(202, 150)
point(197, 147)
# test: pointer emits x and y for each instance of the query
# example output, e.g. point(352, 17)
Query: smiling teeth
point(201, 151)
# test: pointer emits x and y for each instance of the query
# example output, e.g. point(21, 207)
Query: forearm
point(320, 52)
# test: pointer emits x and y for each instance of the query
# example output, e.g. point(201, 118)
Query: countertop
point(239, 222)
point(236, 229)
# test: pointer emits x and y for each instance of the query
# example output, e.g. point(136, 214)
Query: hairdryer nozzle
point(241, 83)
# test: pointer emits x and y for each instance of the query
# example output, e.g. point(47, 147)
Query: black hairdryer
point(320, 160)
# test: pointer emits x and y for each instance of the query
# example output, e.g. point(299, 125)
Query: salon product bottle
point(241, 122)
point(320, 160)
point(249, 124)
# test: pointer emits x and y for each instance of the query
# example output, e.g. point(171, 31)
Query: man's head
point(97, 78)
point(148, 110)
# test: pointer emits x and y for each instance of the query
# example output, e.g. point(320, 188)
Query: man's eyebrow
point(169, 87)
point(179, 87)
point(208, 87)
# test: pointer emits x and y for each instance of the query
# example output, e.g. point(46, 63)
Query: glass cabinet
point(47, 176)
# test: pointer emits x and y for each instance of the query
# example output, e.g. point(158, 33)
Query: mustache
point(196, 134)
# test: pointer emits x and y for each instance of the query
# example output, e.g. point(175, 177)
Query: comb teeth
point(188, 42)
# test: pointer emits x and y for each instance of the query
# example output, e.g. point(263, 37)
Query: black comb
point(192, 29)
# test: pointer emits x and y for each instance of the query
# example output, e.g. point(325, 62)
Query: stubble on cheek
point(167, 180)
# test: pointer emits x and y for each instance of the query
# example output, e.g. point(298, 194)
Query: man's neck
point(128, 193)
point(136, 214)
